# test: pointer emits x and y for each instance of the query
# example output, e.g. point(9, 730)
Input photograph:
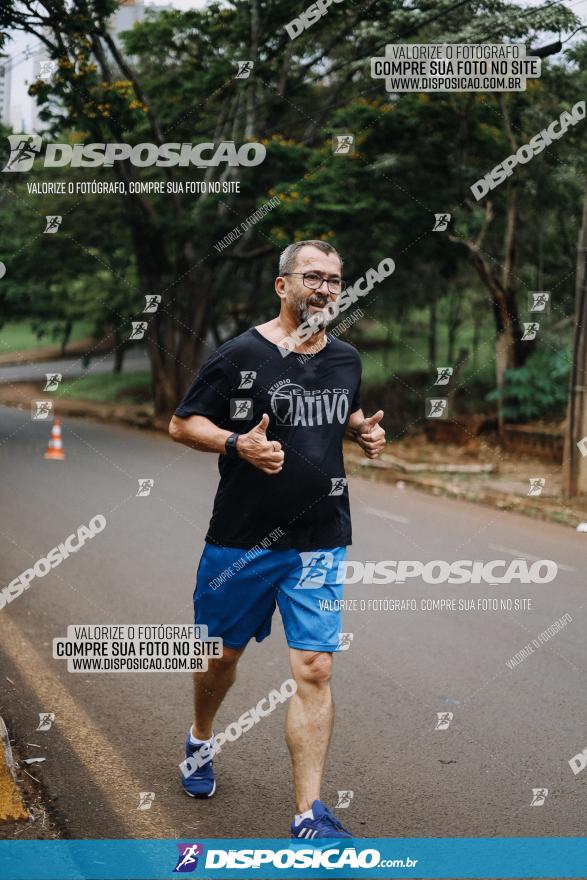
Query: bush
point(539, 389)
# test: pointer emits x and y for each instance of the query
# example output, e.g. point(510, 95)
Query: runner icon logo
point(443, 720)
point(146, 799)
point(539, 301)
point(338, 485)
point(344, 800)
point(344, 641)
point(24, 149)
point(316, 565)
point(247, 378)
point(444, 374)
point(53, 223)
point(53, 380)
point(539, 795)
point(152, 301)
point(188, 857)
point(441, 222)
point(241, 409)
point(46, 719)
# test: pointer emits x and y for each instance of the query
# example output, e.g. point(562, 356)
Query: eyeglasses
point(314, 282)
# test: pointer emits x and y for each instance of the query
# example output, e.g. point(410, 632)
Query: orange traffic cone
point(55, 447)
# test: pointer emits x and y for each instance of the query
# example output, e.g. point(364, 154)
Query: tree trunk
point(432, 328)
point(119, 353)
point(575, 456)
point(66, 336)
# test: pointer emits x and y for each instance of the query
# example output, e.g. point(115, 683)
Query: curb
point(12, 806)
point(475, 494)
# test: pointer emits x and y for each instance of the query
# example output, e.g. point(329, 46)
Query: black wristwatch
point(230, 446)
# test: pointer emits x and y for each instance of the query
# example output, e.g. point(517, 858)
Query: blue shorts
point(237, 591)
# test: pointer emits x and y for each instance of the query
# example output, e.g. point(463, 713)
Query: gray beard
point(321, 320)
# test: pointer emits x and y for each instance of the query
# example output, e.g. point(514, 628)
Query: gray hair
point(288, 257)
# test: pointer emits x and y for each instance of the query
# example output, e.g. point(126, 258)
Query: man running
point(274, 403)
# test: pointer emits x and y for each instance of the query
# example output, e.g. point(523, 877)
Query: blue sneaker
point(324, 824)
point(201, 782)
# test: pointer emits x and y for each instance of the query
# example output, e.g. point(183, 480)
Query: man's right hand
point(254, 447)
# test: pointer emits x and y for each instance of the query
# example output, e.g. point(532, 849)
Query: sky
point(24, 73)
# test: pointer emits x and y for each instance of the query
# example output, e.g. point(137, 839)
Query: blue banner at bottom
point(418, 857)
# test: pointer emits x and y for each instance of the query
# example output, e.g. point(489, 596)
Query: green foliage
point(539, 389)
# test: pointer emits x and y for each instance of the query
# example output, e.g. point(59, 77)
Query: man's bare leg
point(210, 688)
point(308, 725)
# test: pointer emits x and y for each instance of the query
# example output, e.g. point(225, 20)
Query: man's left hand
point(371, 436)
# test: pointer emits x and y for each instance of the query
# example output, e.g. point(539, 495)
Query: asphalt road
point(70, 368)
point(116, 735)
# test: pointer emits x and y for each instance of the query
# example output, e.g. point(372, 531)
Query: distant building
point(18, 109)
point(5, 76)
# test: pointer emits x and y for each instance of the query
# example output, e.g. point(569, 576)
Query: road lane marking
point(106, 769)
point(385, 515)
point(519, 555)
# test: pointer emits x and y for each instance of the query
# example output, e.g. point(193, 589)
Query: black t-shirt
point(309, 402)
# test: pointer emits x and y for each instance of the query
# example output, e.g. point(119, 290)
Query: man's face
point(301, 301)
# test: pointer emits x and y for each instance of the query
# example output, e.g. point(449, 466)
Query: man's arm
point(200, 433)
point(368, 433)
